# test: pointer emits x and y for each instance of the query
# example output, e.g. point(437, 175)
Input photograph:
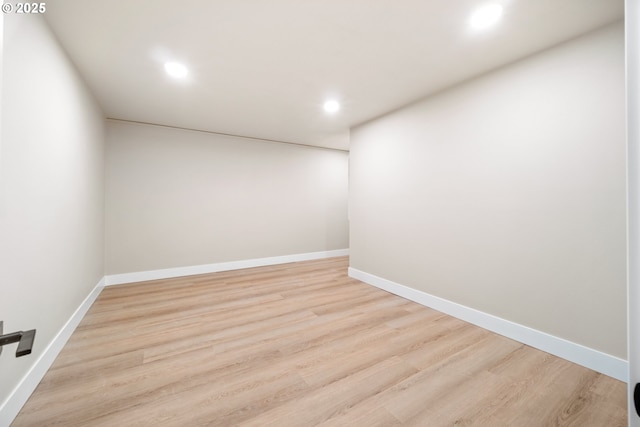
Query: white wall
point(179, 198)
point(506, 194)
point(51, 188)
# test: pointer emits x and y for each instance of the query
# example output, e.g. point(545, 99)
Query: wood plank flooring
point(303, 344)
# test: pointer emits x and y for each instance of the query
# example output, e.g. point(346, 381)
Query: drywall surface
point(52, 191)
point(507, 194)
point(179, 198)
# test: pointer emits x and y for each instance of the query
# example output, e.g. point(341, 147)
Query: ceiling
point(263, 68)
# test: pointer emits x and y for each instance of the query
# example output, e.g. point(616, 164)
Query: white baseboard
point(576, 353)
point(167, 273)
point(21, 393)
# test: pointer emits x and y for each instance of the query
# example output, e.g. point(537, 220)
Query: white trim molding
point(21, 393)
point(576, 353)
point(167, 273)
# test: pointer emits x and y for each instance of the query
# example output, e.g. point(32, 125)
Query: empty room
point(302, 213)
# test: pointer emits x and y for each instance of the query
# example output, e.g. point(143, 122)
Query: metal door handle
point(23, 338)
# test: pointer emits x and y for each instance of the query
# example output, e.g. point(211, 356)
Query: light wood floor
point(303, 345)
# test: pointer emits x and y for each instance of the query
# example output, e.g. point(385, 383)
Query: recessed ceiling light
point(175, 69)
point(486, 16)
point(331, 106)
